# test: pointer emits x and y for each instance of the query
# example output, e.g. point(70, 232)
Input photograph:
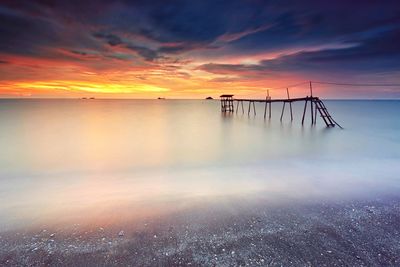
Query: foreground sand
point(354, 233)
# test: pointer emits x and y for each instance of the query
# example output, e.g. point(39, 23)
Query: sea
point(109, 162)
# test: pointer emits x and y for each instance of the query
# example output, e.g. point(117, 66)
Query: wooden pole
point(312, 107)
point(241, 102)
point(283, 109)
point(254, 108)
point(248, 113)
point(265, 109)
point(237, 107)
point(304, 112)
point(270, 109)
point(290, 104)
point(315, 114)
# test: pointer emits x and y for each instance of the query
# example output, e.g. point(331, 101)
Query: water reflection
point(71, 160)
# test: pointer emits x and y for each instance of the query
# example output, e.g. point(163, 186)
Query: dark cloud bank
point(366, 33)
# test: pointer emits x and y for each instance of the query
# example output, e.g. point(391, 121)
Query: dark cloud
point(24, 34)
point(377, 53)
point(111, 39)
point(81, 53)
point(154, 30)
point(146, 53)
point(114, 40)
point(231, 68)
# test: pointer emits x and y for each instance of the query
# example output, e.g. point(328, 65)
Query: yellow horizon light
point(90, 87)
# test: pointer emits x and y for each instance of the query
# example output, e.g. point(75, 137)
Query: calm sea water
point(96, 160)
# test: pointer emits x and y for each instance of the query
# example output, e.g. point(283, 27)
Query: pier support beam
point(304, 112)
point(265, 109)
point(315, 114)
point(254, 108)
point(283, 110)
point(290, 104)
point(312, 102)
point(270, 103)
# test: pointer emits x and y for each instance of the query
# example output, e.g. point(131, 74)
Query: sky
point(198, 48)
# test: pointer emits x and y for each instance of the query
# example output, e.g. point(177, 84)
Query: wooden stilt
point(269, 98)
point(265, 109)
point(248, 113)
point(283, 109)
point(254, 108)
point(290, 104)
point(291, 112)
point(237, 107)
point(304, 112)
point(312, 106)
point(242, 107)
point(270, 109)
point(315, 114)
point(312, 112)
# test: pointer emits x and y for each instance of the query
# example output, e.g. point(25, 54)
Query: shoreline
point(355, 232)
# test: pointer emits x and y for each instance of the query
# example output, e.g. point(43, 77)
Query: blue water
point(81, 160)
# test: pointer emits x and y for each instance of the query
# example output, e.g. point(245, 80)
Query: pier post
point(290, 104)
point(304, 112)
point(265, 109)
point(315, 114)
point(237, 107)
point(312, 107)
point(270, 103)
point(283, 109)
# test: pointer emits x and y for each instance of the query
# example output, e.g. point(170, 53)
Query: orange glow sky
point(125, 50)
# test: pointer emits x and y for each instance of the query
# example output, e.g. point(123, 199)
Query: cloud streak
point(200, 45)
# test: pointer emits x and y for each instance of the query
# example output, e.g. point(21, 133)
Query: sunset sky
point(194, 49)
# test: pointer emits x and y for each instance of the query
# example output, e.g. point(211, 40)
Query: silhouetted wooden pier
point(316, 106)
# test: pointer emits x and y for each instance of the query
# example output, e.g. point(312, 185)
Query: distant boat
point(92, 98)
point(209, 98)
point(161, 98)
point(84, 98)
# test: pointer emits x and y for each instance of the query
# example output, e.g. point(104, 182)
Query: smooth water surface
point(107, 161)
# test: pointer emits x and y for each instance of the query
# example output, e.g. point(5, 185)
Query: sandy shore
point(354, 233)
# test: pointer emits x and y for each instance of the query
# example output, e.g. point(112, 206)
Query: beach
point(357, 233)
point(144, 183)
